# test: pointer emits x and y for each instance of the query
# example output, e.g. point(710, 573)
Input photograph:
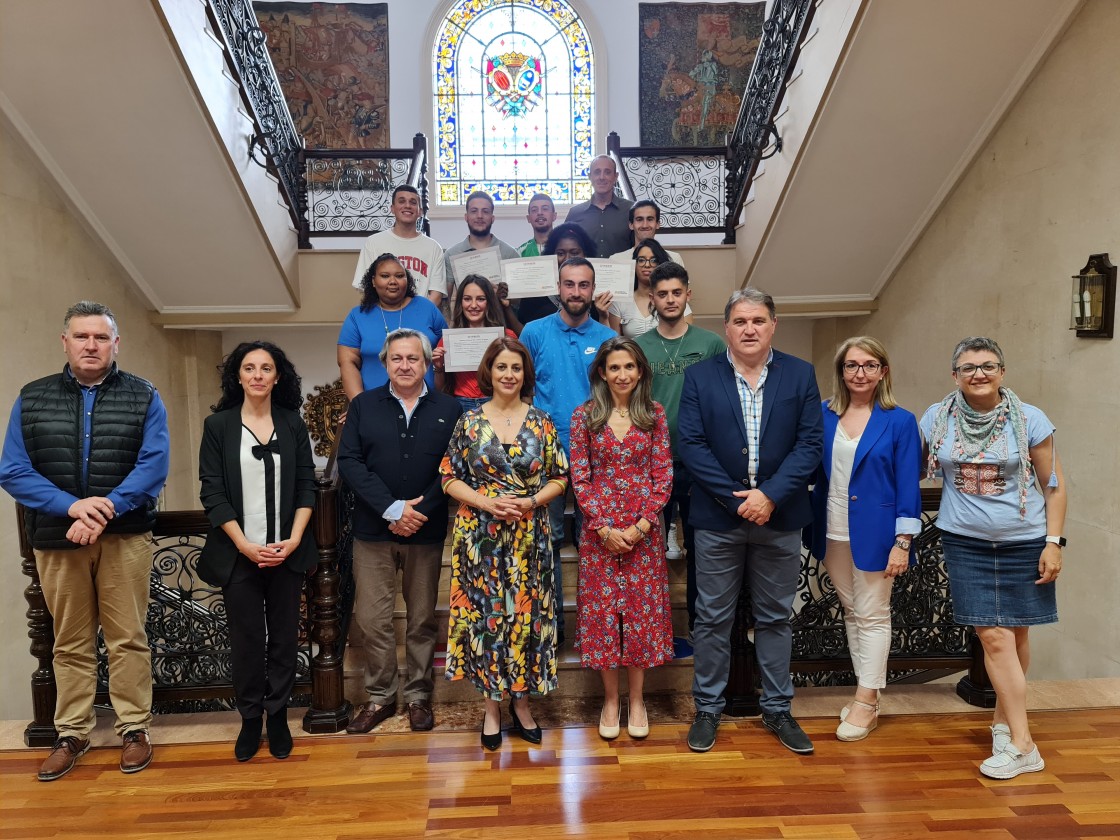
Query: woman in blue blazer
point(866, 511)
point(258, 489)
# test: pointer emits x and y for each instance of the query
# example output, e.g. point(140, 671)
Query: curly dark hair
point(288, 392)
point(369, 291)
point(570, 231)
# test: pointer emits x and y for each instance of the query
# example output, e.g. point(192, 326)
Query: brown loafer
point(420, 716)
point(136, 753)
point(369, 716)
point(63, 757)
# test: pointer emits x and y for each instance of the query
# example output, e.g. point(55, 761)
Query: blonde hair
point(884, 392)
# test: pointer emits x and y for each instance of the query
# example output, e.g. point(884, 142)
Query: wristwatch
point(1058, 541)
point(902, 542)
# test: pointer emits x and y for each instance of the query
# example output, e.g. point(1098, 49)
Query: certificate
point(465, 348)
point(611, 276)
point(485, 262)
point(531, 276)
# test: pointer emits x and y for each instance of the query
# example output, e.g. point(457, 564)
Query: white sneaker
point(1011, 762)
point(672, 547)
point(1001, 737)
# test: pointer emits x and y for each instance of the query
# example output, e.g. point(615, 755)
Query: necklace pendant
point(509, 421)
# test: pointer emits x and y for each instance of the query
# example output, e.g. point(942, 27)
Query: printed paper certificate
point(531, 276)
point(485, 262)
point(611, 276)
point(464, 348)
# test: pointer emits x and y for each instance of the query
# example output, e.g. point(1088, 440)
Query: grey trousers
point(771, 561)
point(375, 593)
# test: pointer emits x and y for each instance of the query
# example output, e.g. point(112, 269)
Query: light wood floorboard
point(915, 777)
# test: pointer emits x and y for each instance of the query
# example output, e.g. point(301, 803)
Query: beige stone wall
point(48, 261)
point(1041, 196)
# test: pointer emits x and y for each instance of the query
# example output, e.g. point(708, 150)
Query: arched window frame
point(580, 185)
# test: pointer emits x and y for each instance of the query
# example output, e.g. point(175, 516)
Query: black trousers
point(262, 611)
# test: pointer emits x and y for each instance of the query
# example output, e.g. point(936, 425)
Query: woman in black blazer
point(258, 488)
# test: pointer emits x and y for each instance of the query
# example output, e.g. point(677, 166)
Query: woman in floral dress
point(504, 464)
point(622, 474)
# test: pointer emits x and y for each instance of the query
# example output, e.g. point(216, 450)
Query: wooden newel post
point(741, 695)
point(975, 688)
point(40, 629)
point(329, 711)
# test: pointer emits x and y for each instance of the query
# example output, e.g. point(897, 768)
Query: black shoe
point(279, 738)
point(249, 738)
point(533, 736)
point(791, 735)
point(702, 733)
point(491, 742)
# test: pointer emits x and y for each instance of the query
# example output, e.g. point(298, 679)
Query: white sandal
point(848, 732)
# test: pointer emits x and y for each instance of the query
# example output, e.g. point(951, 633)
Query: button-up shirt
point(750, 400)
point(608, 227)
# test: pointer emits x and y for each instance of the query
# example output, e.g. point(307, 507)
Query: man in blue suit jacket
point(751, 435)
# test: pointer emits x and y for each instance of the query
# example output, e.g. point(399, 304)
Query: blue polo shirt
point(562, 357)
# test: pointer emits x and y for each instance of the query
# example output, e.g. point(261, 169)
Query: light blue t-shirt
point(981, 500)
point(366, 331)
point(562, 356)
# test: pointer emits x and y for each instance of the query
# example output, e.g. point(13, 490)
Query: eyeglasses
point(647, 260)
point(989, 368)
point(870, 368)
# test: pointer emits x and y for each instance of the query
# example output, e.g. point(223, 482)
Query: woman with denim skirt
point(1003, 508)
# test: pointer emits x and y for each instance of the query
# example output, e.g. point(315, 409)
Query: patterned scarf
point(977, 433)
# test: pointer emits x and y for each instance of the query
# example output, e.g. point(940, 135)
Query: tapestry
point(332, 60)
point(695, 62)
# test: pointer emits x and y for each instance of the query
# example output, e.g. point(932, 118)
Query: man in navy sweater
point(392, 444)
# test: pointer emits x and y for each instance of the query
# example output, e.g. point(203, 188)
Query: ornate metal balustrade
point(686, 182)
point(348, 191)
point(777, 54)
point(924, 635)
point(248, 61)
point(187, 629)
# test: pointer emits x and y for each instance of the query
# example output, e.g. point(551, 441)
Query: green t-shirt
point(529, 249)
point(669, 358)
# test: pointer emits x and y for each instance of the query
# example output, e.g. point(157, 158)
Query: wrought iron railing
point(249, 63)
point(924, 636)
point(686, 182)
point(782, 35)
point(349, 191)
point(187, 629)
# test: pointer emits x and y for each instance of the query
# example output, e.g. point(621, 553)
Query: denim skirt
point(471, 403)
point(992, 584)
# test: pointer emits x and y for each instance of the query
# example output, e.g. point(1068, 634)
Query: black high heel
point(533, 736)
point(492, 742)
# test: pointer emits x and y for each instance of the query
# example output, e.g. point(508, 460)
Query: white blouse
point(843, 459)
point(254, 495)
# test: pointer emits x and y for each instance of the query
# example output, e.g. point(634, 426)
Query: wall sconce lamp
point(1094, 298)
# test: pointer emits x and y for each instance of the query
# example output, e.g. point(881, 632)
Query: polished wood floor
point(916, 777)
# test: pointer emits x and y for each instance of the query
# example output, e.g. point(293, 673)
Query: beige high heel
point(633, 729)
point(848, 732)
point(609, 733)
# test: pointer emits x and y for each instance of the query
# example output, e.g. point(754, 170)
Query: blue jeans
point(471, 403)
point(771, 561)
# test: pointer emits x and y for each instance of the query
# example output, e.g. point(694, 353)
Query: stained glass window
point(514, 102)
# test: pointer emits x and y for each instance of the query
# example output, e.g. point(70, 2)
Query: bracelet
point(533, 500)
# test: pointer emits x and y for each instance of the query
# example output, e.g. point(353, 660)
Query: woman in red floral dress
point(622, 474)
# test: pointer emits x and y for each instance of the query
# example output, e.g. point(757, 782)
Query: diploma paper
point(531, 276)
point(485, 262)
point(464, 349)
point(611, 276)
